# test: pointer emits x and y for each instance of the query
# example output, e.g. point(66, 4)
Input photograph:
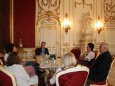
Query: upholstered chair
point(6, 77)
point(76, 52)
point(105, 83)
point(75, 76)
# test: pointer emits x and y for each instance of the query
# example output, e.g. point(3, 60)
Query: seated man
point(42, 50)
point(100, 68)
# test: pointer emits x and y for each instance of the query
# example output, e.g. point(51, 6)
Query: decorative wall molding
point(83, 3)
point(112, 49)
point(46, 24)
point(109, 10)
point(51, 5)
point(48, 9)
point(66, 44)
point(110, 25)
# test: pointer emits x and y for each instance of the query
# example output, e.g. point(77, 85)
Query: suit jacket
point(100, 68)
point(38, 51)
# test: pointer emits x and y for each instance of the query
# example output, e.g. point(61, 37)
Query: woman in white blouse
point(21, 74)
point(89, 54)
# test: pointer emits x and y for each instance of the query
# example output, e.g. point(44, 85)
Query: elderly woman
point(69, 61)
point(24, 75)
point(71, 74)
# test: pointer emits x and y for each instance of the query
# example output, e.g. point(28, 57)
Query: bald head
point(104, 47)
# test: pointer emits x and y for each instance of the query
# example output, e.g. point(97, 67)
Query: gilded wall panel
point(48, 24)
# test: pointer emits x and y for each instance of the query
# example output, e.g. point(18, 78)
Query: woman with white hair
point(69, 61)
point(71, 68)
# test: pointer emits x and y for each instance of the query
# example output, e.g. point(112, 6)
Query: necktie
point(43, 51)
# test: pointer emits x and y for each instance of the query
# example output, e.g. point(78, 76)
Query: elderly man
point(100, 67)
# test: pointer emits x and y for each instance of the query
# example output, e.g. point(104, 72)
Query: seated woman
point(71, 69)
point(89, 54)
point(24, 75)
point(12, 48)
point(9, 49)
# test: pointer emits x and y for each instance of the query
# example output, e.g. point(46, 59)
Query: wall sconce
point(99, 25)
point(66, 24)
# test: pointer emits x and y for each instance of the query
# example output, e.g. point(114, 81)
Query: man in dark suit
point(100, 68)
point(42, 50)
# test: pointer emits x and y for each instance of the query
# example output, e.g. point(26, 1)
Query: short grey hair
point(105, 45)
point(69, 60)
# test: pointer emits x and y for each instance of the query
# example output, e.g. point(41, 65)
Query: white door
point(49, 31)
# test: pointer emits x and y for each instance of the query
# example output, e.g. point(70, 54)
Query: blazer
point(100, 67)
point(38, 51)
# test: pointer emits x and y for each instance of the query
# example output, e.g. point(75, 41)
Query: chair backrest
point(6, 78)
point(1, 63)
point(111, 74)
point(109, 79)
point(75, 76)
point(76, 52)
point(2, 59)
point(96, 53)
point(103, 83)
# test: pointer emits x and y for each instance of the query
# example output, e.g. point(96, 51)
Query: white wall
point(76, 12)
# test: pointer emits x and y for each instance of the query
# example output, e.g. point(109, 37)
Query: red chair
point(75, 76)
point(6, 77)
point(96, 53)
point(103, 83)
point(76, 52)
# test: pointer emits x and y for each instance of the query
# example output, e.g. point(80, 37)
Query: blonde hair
point(69, 60)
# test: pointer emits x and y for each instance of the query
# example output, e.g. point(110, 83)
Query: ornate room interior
point(62, 24)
